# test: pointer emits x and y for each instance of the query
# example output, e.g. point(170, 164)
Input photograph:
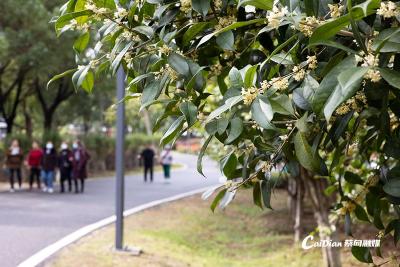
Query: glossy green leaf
point(82, 42)
point(305, 155)
point(193, 31)
point(179, 64)
point(262, 4)
point(60, 76)
point(201, 155)
point(228, 164)
point(170, 134)
point(392, 187)
point(235, 130)
point(391, 76)
point(362, 254)
point(189, 110)
point(201, 6)
point(226, 40)
point(217, 199)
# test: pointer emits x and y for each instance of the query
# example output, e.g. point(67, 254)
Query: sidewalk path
point(30, 221)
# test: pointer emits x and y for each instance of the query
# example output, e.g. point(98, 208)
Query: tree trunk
point(146, 121)
point(28, 122)
point(321, 204)
point(48, 121)
point(295, 203)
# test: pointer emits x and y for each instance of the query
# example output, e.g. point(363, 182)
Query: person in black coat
point(65, 165)
point(147, 156)
point(49, 165)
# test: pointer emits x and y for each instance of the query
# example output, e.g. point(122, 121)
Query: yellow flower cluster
point(186, 6)
point(216, 69)
point(128, 59)
point(249, 95)
point(308, 24)
point(388, 10)
point(298, 73)
point(373, 75)
point(218, 4)
point(130, 36)
point(90, 5)
point(225, 22)
point(370, 61)
point(120, 14)
point(280, 83)
point(265, 85)
point(348, 206)
point(335, 10)
point(275, 16)
point(312, 62)
point(355, 103)
point(166, 50)
point(170, 72)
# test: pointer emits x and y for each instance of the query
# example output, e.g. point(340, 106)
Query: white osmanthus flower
point(186, 6)
point(312, 62)
point(130, 36)
point(128, 59)
point(225, 22)
point(373, 75)
point(120, 14)
point(275, 16)
point(265, 85)
point(388, 10)
point(165, 49)
point(308, 24)
point(335, 10)
point(280, 83)
point(298, 73)
point(216, 69)
point(218, 4)
point(249, 95)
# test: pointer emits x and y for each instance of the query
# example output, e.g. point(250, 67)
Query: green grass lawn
point(187, 233)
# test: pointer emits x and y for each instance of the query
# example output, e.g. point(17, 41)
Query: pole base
point(131, 251)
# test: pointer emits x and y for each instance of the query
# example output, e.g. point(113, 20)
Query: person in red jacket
point(34, 161)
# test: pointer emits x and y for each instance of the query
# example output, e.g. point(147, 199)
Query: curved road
point(30, 221)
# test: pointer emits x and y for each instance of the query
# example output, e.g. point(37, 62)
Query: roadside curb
point(47, 252)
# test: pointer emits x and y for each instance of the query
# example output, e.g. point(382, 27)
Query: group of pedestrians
point(44, 162)
point(148, 157)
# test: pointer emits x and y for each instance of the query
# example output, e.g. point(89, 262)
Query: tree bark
point(321, 203)
point(295, 203)
point(28, 122)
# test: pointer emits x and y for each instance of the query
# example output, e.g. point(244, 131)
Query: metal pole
point(119, 160)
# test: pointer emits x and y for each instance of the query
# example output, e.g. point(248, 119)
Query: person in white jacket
point(166, 161)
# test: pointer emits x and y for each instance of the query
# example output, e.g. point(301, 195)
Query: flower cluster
point(335, 10)
point(216, 69)
point(388, 10)
point(249, 95)
point(173, 75)
point(298, 73)
point(120, 14)
point(90, 5)
point(347, 206)
point(275, 16)
point(370, 61)
point(354, 103)
point(186, 6)
point(308, 24)
point(312, 62)
point(218, 4)
point(130, 36)
point(280, 83)
point(165, 49)
point(225, 22)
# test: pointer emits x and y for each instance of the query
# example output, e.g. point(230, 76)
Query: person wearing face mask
point(34, 159)
point(14, 160)
point(80, 158)
point(49, 164)
point(65, 166)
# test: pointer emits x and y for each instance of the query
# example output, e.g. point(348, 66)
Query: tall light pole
point(119, 160)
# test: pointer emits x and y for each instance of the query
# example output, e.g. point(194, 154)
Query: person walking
point(166, 161)
point(34, 159)
point(79, 161)
point(49, 164)
point(14, 160)
point(65, 166)
point(147, 156)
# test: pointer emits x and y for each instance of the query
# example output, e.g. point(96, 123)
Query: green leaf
point(387, 40)
point(145, 30)
point(81, 43)
point(59, 76)
point(302, 96)
point(229, 103)
point(235, 78)
point(80, 77)
point(282, 104)
point(257, 197)
point(117, 60)
point(361, 214)
point(193, 31)
point(362, 254)
point(250, 76)
point(349, 83)
point(262, 4)
point(201, 155)
point(217, 199)
point(261, 112)
point(189, 110)
point(329, 83)
point(392, 77)
point(329, 29)
point(170, 134)
point(333, 44)
point(66, 18)
point(305, 155)
point(392, 188)
point(150, 92)
point(179, 64)
point(228, 28)
point(235, 130)
point(88, 82)
point(228, 164)
point(282, 58)
point(110, 4)
point(266, 188)
point(353, 178)
point(201, 6)
point(226, 40)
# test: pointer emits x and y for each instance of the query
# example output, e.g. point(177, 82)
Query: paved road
point(30, 221)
